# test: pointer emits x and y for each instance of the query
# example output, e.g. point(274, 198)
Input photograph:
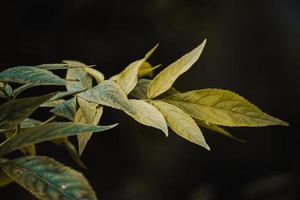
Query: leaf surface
point(88, 113)
point(110, 94)
point(47, 132)
point(33, 75)
point(165, 79)
point(148, 115)
point(222, 107)
point(4, 179)
point(67, 109)
point(48, 179)
point(181, 123)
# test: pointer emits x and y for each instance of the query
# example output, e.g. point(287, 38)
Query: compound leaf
point(33, 75)
point(47, 132)
point(165, 79)
point(48, 179)
point(181, 123)
point(222, 107)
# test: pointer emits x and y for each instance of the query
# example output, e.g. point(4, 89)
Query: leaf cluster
point(77, 112)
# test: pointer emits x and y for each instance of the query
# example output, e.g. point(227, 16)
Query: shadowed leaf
point(88, 113)
point(13, 112)
point(4, 179)
point(48, 179)
point(46, 132)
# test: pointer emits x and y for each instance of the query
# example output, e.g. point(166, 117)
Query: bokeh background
point(252, 49)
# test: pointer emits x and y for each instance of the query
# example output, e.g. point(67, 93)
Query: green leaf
point(22, 88)
point(66, 144)
point(217, 129)
point(110, 94)
point(149, 115)
point(88, 113)
point(63, 94)
point(5, 90)
point(48, 179)
point(181, 123)
point(33, 75)
point(84, 80)
point(67, 109)
point(14, 112)
point(222, 107)
point(140, 91)
point(147, 70)
point(46, 132)
point(128, 78)
point(4, 179)
point(76, 64)
point(165, 79)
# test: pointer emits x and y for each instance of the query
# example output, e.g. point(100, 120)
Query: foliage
point(78, 110)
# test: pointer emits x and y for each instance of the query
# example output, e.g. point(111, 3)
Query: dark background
point(252, 49)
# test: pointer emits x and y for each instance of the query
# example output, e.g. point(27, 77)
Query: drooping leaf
point(76, 64)
point(222, 107)
point(217, 129)
point(84, 80)
point(4, 179)
point(57, 66)
point(48, 179)
point(165, 79)
point(33, 75)
point(88, 113)
point(181, 123)
point(13, 112)
point(67, 145)
point(147, 70)
point(46, 132)
point(108, 93)
point(67, 109)
point(148, 115)
point(128, 78)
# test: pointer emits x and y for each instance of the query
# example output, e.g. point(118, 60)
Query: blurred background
point(252, 49)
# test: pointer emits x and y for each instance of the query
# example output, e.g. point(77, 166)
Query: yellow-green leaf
point(33, 75)
point(148, 115)
point(146, 69)
point(48, 179)
point(222, 107)
point(181, 123)
point(165, 79)
point(47, 132)
point(108, 93)
point(128, 78)
point(217, 129)
point(88, 113)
